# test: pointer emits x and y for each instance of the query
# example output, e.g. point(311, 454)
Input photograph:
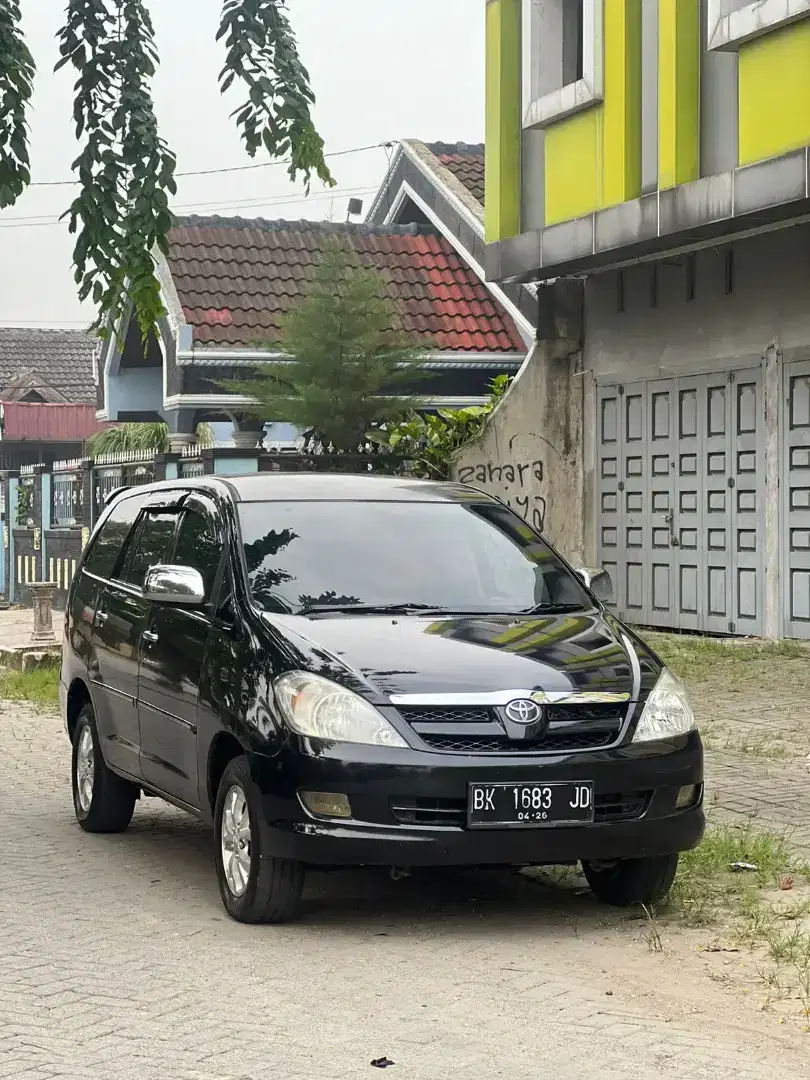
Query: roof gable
point(58, 364)
point(465, 162)
point(237, 278)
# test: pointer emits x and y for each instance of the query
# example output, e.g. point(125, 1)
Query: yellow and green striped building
point(655, 153)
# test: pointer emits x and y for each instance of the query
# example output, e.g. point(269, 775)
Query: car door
point(113, 619)
point(172, 660)
point(119, 623)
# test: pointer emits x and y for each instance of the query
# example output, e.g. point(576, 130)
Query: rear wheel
point(632, 881)
point(255, 887)
point(103, 802)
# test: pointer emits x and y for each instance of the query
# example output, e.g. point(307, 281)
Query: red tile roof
point(236, 278)
point(48, 423)
point(466, 162)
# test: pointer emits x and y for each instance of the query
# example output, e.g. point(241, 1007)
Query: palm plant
point(131, 438)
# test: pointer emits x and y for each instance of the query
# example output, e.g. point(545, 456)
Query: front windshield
point(316, 557)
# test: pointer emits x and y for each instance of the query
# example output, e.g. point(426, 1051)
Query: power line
point(36, 220)
point(231, 169)
point(222, 203)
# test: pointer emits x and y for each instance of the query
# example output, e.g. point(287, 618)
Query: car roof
point(318, 487)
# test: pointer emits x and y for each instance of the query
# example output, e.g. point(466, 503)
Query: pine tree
point(352, 364)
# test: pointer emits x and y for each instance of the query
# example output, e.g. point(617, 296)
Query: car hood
point(556, 653)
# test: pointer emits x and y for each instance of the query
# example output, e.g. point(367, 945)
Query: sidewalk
point(17, 624)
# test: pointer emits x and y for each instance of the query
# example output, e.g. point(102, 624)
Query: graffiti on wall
point(516, 483)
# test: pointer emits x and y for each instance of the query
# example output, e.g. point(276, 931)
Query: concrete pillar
point(178, 441)
point(45, 519)
point(42, 592)
point(167, 466)
point(504, 121)
point(11, 524)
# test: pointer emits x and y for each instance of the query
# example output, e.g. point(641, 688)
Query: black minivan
point(346, 670)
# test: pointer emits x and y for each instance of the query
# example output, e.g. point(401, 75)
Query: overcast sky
point(382, 70)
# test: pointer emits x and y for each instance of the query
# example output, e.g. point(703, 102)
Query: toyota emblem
point(523, 711)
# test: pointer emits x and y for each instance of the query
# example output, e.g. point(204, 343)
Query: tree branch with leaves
point(125, 169)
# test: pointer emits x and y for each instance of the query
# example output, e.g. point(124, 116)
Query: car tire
point(255, 887)
point(632, 881)
point(103, 801)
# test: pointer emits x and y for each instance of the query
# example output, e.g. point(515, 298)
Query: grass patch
point(40, 685)
point(698, 659)
point(706, 885)
point(707, 892)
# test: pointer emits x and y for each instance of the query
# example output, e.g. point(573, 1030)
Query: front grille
point(500, 744)
point(452, 813)
point(625, 806)
point(434, 812)
point(479, 730)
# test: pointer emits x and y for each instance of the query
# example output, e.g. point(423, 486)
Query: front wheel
point(255, 887)
point(632, 881)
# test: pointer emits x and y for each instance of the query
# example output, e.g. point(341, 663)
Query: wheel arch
point(223, 749)
point(78, 696)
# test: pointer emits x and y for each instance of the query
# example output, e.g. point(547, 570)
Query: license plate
point(498, 805)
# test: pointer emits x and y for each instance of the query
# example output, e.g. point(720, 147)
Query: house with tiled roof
point(441, 186)
point(228, 282)
point(540, 422)
point(47, 394)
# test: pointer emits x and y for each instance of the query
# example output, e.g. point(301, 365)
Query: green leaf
point(262, 53)
point(16, 85)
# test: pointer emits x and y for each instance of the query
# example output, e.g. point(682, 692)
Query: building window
point(562, 58)
point(572, 29)
point(732, 23)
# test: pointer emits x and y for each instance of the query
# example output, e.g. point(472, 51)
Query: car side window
point(199, 546)
point(109, 543)
point(150, 546)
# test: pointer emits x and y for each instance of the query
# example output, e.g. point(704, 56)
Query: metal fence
point(125, 469)
point(67, 493)
point(191, 464)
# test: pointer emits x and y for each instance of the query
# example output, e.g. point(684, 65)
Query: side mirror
point(599, 582)
point(174, 585)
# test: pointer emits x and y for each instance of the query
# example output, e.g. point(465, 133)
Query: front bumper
point(379, 782)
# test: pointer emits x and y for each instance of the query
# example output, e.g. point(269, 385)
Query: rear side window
point(199, 546)
point(151, 546)
point(109, 542)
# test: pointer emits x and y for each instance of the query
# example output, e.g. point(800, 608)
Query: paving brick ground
point(116, 959)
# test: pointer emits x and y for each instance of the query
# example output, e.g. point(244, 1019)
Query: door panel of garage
point(679, 500)
point(796, 502)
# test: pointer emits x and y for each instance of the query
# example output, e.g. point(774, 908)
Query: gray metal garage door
point(680, 500)
point(796, 506)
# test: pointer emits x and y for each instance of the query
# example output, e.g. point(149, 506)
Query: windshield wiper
point(373, 609)
point(552, 609)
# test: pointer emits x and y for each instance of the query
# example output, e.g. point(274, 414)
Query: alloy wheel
point(235, 840)
point(85, 769)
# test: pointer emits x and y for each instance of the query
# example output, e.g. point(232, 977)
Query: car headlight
point(667, 711)
point(321, 709)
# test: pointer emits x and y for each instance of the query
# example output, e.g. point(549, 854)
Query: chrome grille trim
point(467, 730)
point(499, 698)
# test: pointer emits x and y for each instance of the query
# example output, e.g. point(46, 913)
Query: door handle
point(101, 618)
point(150, 637)
point(670, 521)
